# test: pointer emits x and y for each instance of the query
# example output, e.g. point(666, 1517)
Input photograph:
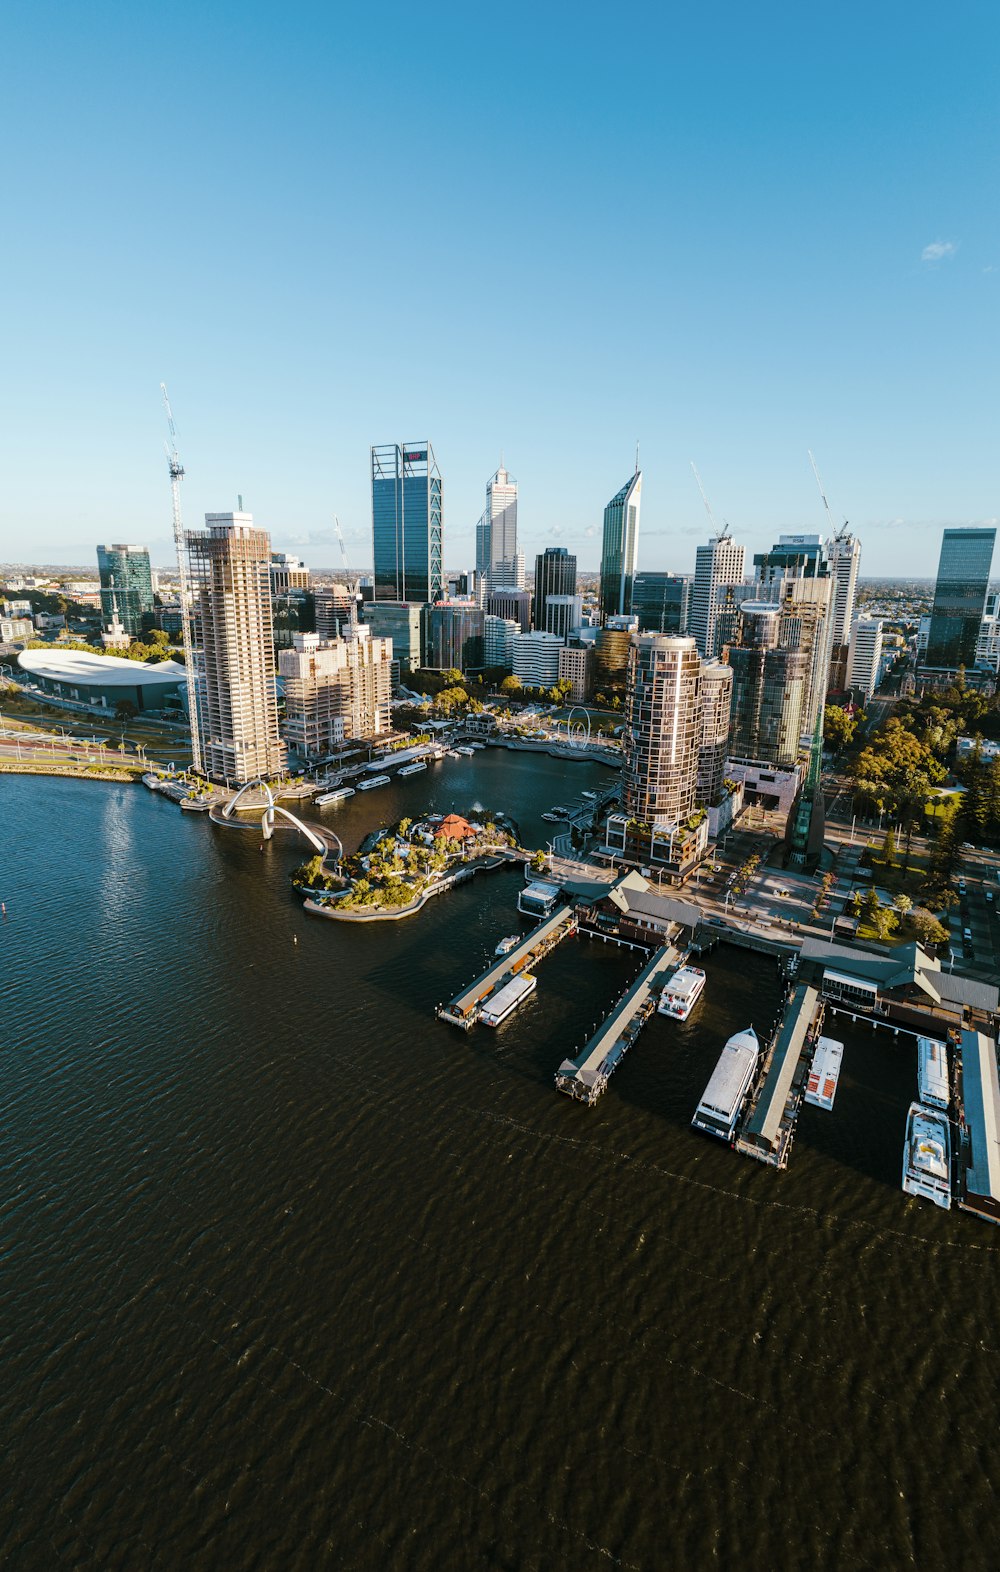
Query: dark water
point(294, 1276)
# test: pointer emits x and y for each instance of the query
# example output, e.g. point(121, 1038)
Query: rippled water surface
point(295, 1276)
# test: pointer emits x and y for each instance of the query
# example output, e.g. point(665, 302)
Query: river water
point(295, 1276)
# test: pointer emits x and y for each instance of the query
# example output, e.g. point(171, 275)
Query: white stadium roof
point(97, 671)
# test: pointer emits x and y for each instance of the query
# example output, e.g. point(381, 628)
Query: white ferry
point(538, 899)
point(465, 753)
point(824, 1073)
point(413, 769)
point(723, 1099)
point(476, 747)
point(506, 945)
point(932, 1072)
point(506, 1001)
point(376, 780)
point(682, 992)
point(340, 795)
point(927, 1156)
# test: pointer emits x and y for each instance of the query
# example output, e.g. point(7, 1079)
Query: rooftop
point(106, 671)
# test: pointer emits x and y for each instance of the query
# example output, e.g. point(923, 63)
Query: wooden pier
point(767, 1130)
point(586, 1077)
point(464, 1009)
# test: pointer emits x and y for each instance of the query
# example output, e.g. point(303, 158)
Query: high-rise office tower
point(555, 574)
point(865, 655)
point(496, 535)
point(535, 659)
point(988, 642)
point(563, 615)
point(453, 636)
point(620, 548)
point(407, 525)
point(126, 588)
point(335, 688)
point(661, 602)
point(844, 553)
point(717, 566)
point(963, 579)
point(498, 641)
point(231, 613)
point(507, 601)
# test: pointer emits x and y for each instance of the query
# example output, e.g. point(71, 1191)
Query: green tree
point(922, 925)
point(838, 728)
point(511, 685)
point(902, 904)
point(889, 848)
point(126, 710)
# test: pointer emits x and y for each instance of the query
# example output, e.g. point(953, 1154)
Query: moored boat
point(506, 1000)
point(725, 1094)
point(376, 780)
point(824, 1073)
point(506, 945)
point(927, 1155)
point(682, 992)
point(932, 1072)
point(340, 795)
point(413, 769)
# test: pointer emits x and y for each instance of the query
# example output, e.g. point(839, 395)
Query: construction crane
point(176, 476)
point(353, 612)
point(711, 516)
point(839, 531)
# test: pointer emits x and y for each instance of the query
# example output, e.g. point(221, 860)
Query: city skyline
point(830, 285)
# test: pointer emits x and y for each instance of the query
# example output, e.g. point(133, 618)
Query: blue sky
point(731, 232)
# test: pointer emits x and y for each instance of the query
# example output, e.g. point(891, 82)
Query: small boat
point(824, 1073)
point(682, 992)
point(506, 1001)
point(413, 769)
point(340, 795)
point(453, 753)
point(551, 818)
point(476, 747)
point(506, 945)
point(195, 804)
point(927, 1156)
point(591, 794)
point(376, 780)
point(723, 1098)
point(465, 753)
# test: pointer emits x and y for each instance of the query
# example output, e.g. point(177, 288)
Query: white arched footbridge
point(272, 808)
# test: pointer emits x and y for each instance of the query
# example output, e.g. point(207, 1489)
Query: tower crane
point(711, 516)
point(353, 613)
point(839, 531)
point(176, 469)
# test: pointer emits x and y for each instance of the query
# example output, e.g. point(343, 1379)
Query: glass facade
point(406, 522)
point(663, 730)
point(126, 587)
point(960, 596)
point(453, 636)
point(555, 574)
point(660, 601)
point(770, 689)
point(620, 548)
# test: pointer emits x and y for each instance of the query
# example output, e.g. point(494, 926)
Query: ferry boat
point(465, 753)
point(682, 992)
point(340, 795)
point(725, 1094)
point(413, 769)
point(927, 1156)
point(538, 899)
point(376, 780)
point(932, 1072)
point(506, 1001)
point(506, 945)
point(824, 1073)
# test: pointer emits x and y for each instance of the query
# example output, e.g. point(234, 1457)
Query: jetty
point(769, 1126)
point(464, 1010)
point(586, 1077)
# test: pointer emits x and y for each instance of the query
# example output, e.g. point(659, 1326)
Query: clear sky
point(733, 232)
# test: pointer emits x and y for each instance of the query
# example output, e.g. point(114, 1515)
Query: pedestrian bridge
point(322, 842)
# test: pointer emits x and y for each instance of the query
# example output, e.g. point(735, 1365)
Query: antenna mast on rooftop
point(176, 476)
point(353, 613)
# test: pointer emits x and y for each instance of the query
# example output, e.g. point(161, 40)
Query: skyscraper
point(620, 548)
point(844, 554)
point(126, 587)
point(661, 602)
point(865, 655)
point(769, 690)
point(661, 744)
point(234, 655)
point(717, 565)
point(555, 574)
point(407, 523)
point(963, 579)
point(504, 566)
point(335, 688)
point(795, 574)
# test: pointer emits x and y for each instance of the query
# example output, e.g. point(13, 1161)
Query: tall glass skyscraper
point(960, 596)
point(555, 574)
point(126, 586)
point(660, 601)
point(620, 549)
point(407, 522)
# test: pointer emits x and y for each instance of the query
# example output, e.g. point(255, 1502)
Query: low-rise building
point(575, 665)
